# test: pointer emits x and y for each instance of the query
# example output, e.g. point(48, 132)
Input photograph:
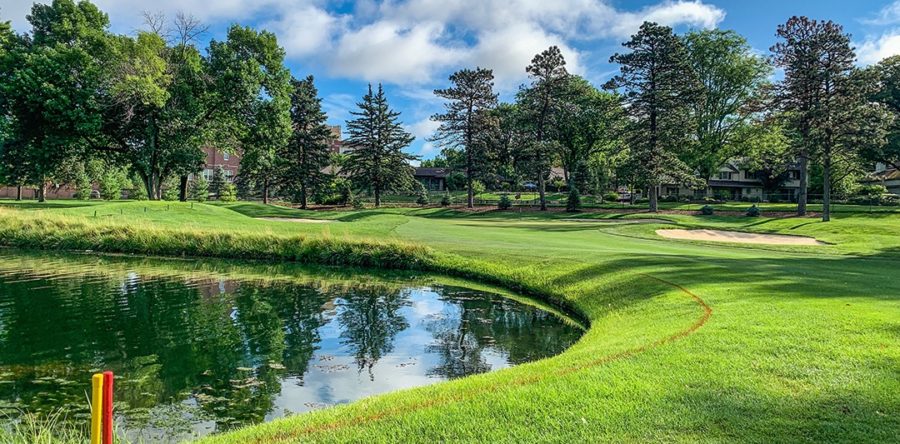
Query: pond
point(205, 346)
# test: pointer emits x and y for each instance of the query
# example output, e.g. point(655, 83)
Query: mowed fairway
point(689, 341)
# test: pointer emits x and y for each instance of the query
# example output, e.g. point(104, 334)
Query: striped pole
point(96, 407)
point(108, 407)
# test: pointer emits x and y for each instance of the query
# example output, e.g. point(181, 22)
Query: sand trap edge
point(737, 237)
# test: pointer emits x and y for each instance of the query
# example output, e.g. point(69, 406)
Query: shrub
point(228, 193)
point(111, 183)
point(218, 182)
point(872, 190)
point(477, 187)
point(723, 195)
point(422, 194)
point(346, 191)
point(573, 203)
point(611, 196)
point(171, 189)
point(753, 211)
point(447, 200)
point(707, 210)
point(890, 200)
point(504, 203)
point(456, 181)
point(82, 185)
point(558, 184)
point(200, 189)
point(357, 204)
point(669, 198)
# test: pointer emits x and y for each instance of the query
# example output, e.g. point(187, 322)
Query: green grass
point(799, 345)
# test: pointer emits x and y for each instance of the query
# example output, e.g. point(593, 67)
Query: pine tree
point(830, 119)
point(377, 139)
point(538, 102)
point(467, 120)
point(218, 182)
point(200, 189)
point(309, 150)
point(659, 86)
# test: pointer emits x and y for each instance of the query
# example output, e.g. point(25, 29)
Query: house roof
point(432, 172)
point(886, 175)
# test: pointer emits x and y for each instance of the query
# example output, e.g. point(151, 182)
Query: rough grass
point(688, 341)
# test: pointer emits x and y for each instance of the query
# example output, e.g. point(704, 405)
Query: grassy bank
point(688, 341)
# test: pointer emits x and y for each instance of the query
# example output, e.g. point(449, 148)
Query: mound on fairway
point(737, 237)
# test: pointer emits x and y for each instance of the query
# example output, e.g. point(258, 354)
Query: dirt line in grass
point(290, 435)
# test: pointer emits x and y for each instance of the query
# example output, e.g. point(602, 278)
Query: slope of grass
point(688, 341)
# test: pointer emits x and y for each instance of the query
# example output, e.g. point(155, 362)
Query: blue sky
point(413, 45)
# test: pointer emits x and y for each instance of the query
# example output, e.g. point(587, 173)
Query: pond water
point(204, 346)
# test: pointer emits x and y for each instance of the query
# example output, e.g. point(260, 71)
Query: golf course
point(687, 340)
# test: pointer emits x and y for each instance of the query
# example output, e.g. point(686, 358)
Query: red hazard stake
point(107, 408)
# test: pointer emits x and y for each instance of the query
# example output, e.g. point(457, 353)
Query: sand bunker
point(618, 221)
point(738, 237)
point(297, 220)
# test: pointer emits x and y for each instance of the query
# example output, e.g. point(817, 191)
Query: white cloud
point(412, 42)
point(693, 13)
point(873, 50)
point(306, 30)
point(423, 129)
point(393, 52)
point(889, 15)
point(508, 51)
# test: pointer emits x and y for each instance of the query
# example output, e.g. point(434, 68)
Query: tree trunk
point(542, 190)
point(470, 200)
point(303, 196)
point(265, 192)
point(802, 192)
point(42, 192)
point(377, 197)
point(826, 190)
point(654, 204)
point(18, 192)
point(182, 193)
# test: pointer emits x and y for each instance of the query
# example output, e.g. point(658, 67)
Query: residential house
point(732, 182)
point(434, 179)
point(887, 176)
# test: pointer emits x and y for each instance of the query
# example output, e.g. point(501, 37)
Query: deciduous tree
point(252, 88)
point(734, 81)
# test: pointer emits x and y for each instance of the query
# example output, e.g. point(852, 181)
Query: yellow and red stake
point(102, 408)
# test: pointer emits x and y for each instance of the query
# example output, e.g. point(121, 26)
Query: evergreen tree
point(228, 192)
point(82, 183)
point(659, 87)
point(309, 150)
point(421, 194)
point(829, 117)
point(537, 103)
point(377, 139)
point(200, 189)
point(218, 182)
point(467, 120)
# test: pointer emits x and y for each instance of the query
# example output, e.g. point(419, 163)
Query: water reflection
point(198, 353)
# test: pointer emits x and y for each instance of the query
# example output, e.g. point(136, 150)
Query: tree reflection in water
point(196, 354)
